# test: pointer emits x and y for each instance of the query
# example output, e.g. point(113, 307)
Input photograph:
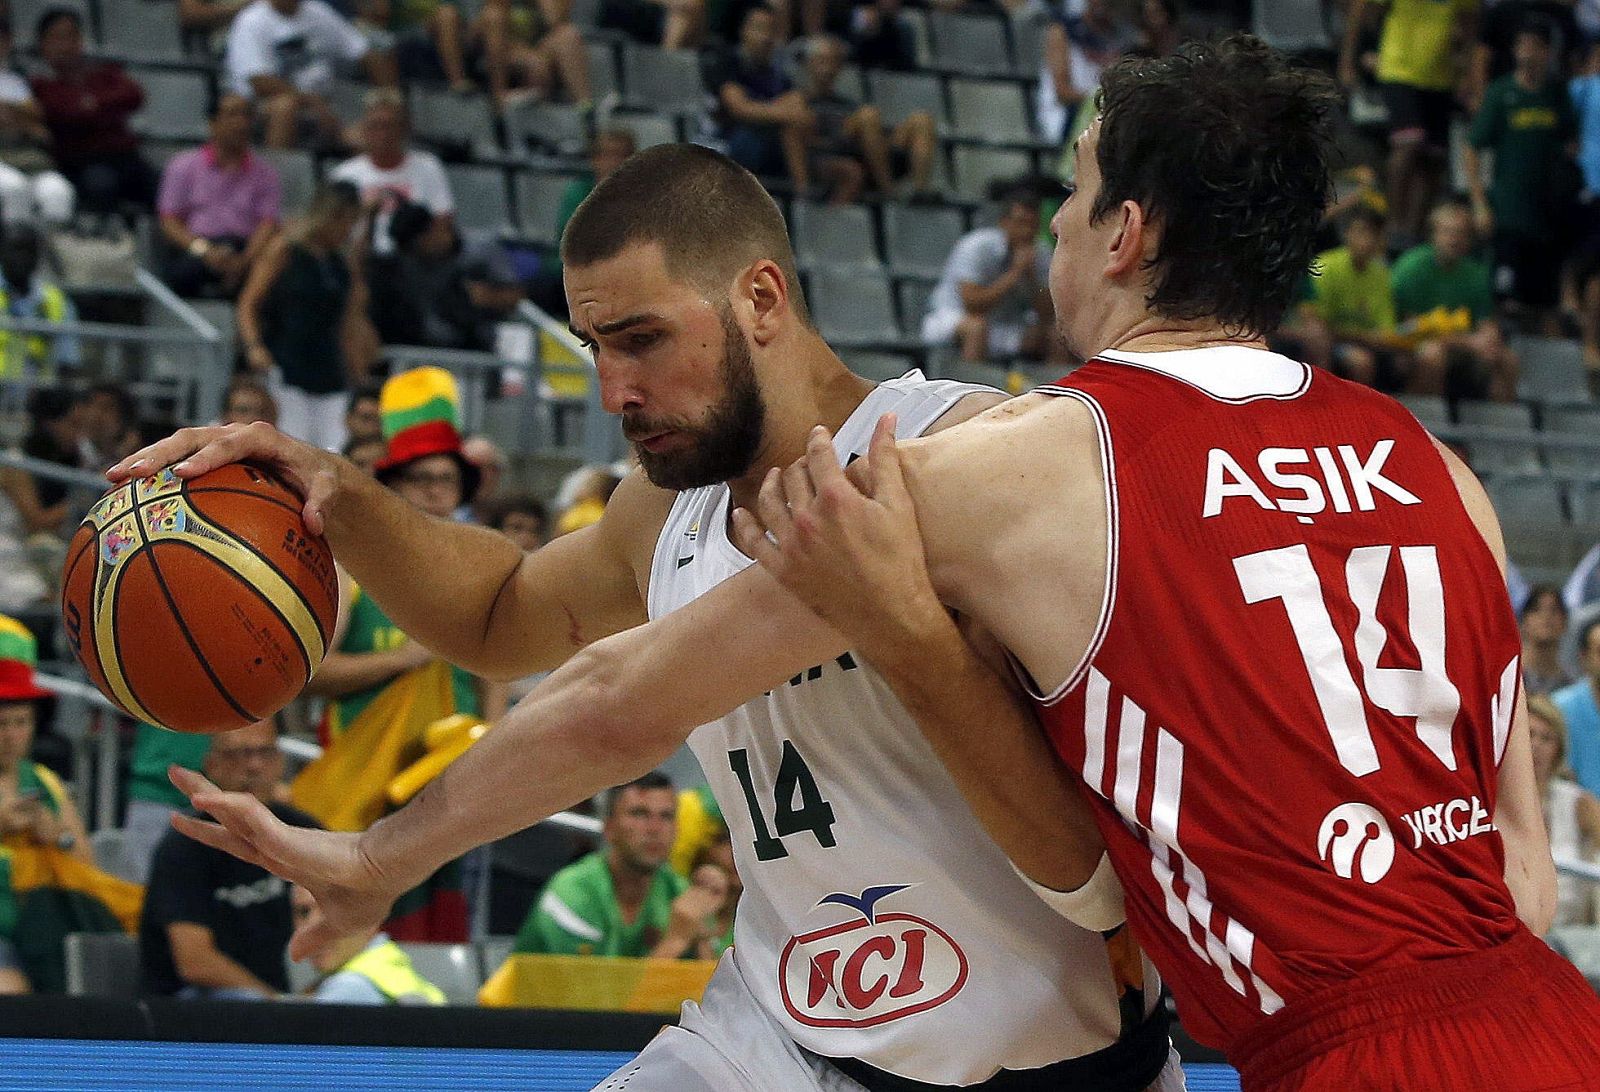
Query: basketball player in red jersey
point(1262, 610)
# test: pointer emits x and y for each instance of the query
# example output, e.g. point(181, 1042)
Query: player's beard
point(725, 442)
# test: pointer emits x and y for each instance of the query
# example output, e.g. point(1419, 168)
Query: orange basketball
point(200, 605)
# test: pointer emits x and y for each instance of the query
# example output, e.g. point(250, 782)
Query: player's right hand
point(351, 894)
point(311, 472)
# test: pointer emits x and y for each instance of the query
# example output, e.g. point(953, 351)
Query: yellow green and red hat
point(19, 652)
point(421, 412)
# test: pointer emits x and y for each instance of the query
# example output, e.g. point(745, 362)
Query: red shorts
point(1517, 1018)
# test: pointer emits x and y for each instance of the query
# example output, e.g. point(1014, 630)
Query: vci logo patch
point(1355, 835)
point(870, 969)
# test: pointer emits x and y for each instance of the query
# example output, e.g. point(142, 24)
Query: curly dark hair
point(1225, 146)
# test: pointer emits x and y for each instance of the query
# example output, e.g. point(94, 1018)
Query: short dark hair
point(223, 96)
point(1541, 592)
point(52, 16)
point(50, 404)
point(1225, 145)
point(127, 408)
point(708, 214)
point(364, 392)
point(518, 503)
point(1366, 214)
point(655, 779)
point(1538, 27)
point(1586, 634)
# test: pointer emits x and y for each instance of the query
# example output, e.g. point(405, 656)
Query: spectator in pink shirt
point(218, 205)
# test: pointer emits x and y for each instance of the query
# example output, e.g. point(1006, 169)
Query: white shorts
point(728, 1043)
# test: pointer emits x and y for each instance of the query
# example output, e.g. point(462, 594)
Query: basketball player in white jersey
point(883, 940)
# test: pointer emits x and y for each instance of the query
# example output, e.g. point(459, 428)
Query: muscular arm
point(1519, 812)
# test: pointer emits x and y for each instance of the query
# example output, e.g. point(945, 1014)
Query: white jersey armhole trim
point(1096, 906)
point(1108, 595)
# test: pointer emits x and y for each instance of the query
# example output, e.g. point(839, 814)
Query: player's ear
point(1127, 252)
point(768, 291)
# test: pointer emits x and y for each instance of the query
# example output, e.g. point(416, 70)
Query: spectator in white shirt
point(992, 302)
point(390, 172)
point(287, 53)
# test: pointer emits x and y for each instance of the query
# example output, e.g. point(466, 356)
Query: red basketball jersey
point(1301, 687)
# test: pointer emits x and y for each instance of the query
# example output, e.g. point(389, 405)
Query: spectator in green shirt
point(1444, 301)
point(624, 900)
point(1352, 303)
point(607, 150)
point(1527, 121)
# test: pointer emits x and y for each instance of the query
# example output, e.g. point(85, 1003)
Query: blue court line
point(81, 1065)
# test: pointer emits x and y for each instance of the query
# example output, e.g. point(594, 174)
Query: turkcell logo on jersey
point(875, 966)
point(1355, 840)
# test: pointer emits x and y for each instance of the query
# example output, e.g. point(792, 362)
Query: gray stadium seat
point(552, 125)
point(662, 79)
point(603, 79)
point(25, 16)
point(976, 167)
point(1582, 420)
point(492, 952)
point(648, 129)
point(911, 295)
point(1552, 370)
point(297, 175)
point(990, 375)
point(102, 965)
point(1290, 25)
point(834, 236)
point(921, 39)
point(917, 239)
point(974, 45)
point(111, 854)
point(1584, 497)
point(1501, 458)
point(481, 201)
point(992, 111)
point(451, 967)
point(1027, 46)
point(346, 97)
point(878, 367)
point(1430, 409)
point(539, 203)
point(586, 13)
point(1508, 415)
point(175, 103)
point(141, 30)
point(898, 95)
point(445, 117)
point(1527, 501)
point(853, 308)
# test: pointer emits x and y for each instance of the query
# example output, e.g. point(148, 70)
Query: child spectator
point(31, 189)
point(1571, 812)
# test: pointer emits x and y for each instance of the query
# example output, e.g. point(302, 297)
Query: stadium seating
point(898, 95)
point(990, 111)
point(175, 103)
point(102, 965)
point(853, 307)
point(455, 968)
point(834, 236)
point(538, 195)
point(918, 239)
point(662, 79)
point(973, 45)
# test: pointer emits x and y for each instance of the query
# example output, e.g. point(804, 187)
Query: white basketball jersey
point(879, 921)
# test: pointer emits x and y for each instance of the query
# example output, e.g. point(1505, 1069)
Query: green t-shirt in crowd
point(154, 749)
point(1416, 46)
point(1422, 286)
point(1351, 300)
point(1528, 131)
point(29, 780)
point(577, 914)
point(371, 631)
point(412, 14)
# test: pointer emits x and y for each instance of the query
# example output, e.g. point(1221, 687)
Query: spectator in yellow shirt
point(1421, 54)
point(1351, 295)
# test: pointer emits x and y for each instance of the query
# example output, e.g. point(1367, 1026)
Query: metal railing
point(91, 723)
point(178, 355)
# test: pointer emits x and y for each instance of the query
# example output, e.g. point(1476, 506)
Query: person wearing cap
point(424, 464)
point(34, 806)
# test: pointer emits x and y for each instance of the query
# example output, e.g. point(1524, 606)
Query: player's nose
point(619, 389)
